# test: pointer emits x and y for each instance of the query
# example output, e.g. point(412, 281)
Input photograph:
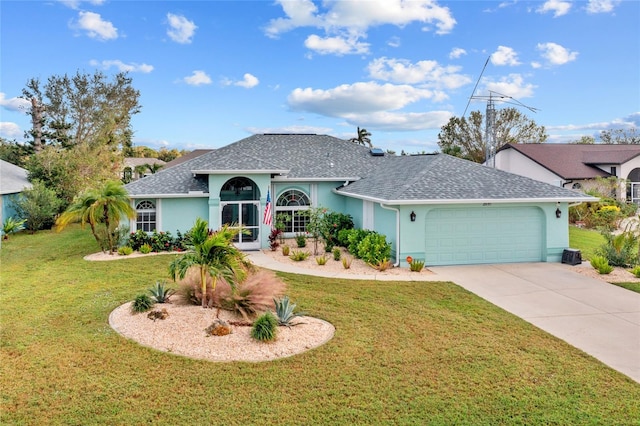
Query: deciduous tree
point(465, 137)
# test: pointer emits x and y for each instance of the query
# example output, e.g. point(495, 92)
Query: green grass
point(585, 240)
point(403, 353)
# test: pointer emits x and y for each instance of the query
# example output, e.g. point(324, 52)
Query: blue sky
point(213, 72)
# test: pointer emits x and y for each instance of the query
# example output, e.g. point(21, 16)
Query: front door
point(246, 216)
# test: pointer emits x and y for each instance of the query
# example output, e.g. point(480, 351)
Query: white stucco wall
point(514, 162)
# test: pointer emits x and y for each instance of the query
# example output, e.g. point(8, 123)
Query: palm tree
point(363, 138)
point(214, 255)
point(153, 168)
point(105, 205)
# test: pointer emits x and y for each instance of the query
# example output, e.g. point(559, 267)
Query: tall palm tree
point(214, 255)
point(103, 206)
point(363, 138)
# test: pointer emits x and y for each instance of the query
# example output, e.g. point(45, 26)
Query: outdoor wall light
point(558, 211)
point(413, 216)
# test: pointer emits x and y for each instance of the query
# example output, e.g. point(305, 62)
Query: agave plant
point(285, 311)
point(160, 293)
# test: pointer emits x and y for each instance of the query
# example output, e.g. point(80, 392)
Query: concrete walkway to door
point(599, 318)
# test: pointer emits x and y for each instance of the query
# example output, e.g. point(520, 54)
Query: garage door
point(483, 235)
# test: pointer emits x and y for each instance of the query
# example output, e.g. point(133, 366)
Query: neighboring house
point(136, 168)
point(574, 166)
point(188, 156)
point(13, 180)
point(435, 207)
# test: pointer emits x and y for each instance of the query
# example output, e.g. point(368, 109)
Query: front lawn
point(403, 353)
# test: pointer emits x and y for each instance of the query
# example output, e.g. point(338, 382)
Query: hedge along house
point(435, 207)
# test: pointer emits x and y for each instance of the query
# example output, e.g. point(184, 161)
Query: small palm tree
point(362, 138)
point(103, 206)
point(153, 168)
point(214, 255)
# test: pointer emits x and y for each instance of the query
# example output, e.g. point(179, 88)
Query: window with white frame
point(146, 216)
point(291, 209)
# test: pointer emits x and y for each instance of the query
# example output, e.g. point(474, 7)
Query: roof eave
point(583, 199)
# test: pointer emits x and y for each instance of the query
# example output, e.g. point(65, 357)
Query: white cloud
point(456, 53)
point(121, 66)
point(355, 98)
point(181, 30)
point(558, 7)
point(198, 78)
point(556, 54)
point(512, 85)
point(352, 15)
point(10, 130)
point(429, 73)
point(95, 27)
point(505, 56)
point(75, 4)
point(394, 42)
point(248, 81)
point(601, 6)
point(14, 104)
point(355, 18)
point(336, 45)
point(400, 121)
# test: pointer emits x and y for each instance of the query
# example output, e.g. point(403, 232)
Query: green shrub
point(336, 253)
point(374, 248)
point(125, 250)
point(636, 271)
point(265, 327)
point(601, 264)
point(285, 311)
point(334, 223)
point(145, 249)
point(416, 265)
point(620, 249)
point(141, 303)
point(354, 237)
point(301, 240)
point(321, 260)
point(299, 255)
point(160, 293)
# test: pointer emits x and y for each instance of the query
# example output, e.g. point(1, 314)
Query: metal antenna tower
point(490, 117)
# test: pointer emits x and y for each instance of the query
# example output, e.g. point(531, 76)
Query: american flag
point(267, 220)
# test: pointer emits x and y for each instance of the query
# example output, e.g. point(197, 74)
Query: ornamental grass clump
point(299, 255)
point(601, 264)
point(321, 260)
point(141, 303)
point(265, 328)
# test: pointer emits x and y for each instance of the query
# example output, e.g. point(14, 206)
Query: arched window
point(291, 210)
point(146, 216)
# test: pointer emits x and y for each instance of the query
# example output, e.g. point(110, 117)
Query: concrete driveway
point(601, 319)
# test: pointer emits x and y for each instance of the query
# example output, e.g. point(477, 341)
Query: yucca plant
point(285, 311)
point(321, 260)
point(299, 255)
point(416, 265)
point(11, 225)
point(160, 293)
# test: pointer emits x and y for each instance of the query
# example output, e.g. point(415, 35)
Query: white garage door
point(459, 236)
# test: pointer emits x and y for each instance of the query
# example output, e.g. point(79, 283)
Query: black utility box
point(571, 256)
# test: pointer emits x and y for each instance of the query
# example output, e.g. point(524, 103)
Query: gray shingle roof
point(386, 178)
point(13, 179)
